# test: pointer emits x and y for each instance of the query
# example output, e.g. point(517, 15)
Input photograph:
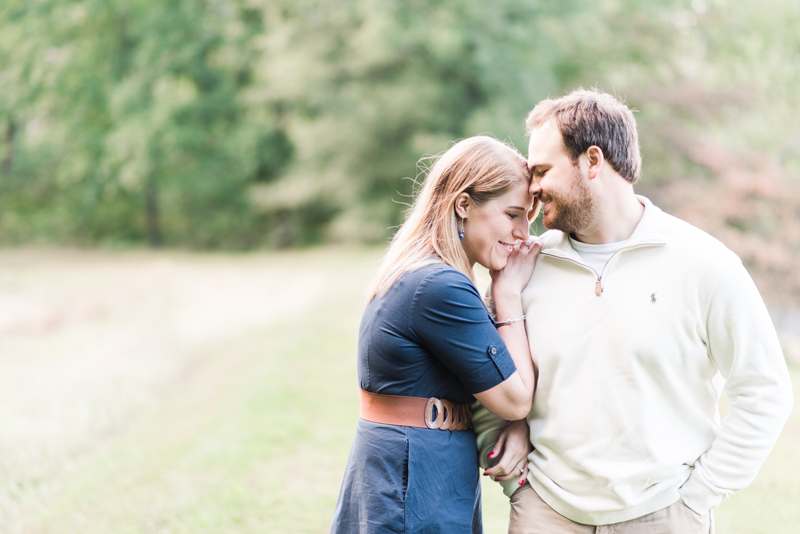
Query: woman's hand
point(514, 446)
point(518, 270)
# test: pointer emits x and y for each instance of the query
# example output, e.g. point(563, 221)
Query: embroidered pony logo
point(653, 297)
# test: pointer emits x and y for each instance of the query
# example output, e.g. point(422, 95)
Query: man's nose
point(534, 189)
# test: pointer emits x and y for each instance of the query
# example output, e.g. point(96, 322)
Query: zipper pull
point(598, 288)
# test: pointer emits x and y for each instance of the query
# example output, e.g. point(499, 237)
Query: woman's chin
point(498, 264)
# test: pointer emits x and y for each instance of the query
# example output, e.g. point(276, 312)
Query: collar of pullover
point(651, 231)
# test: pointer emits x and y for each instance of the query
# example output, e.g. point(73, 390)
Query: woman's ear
point(463, 202)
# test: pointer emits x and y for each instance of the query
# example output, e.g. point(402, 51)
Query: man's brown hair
point(588, 118)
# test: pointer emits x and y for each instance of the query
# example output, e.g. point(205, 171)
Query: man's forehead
point(545, 143)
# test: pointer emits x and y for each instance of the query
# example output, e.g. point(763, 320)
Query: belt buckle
point(449, 416)
point(429, 422)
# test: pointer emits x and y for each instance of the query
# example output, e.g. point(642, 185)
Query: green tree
point(149, 136)
point(243, 123)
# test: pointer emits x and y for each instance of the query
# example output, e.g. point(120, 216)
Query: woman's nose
point(521, 230)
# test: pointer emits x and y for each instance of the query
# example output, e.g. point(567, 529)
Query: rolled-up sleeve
point(450, 320)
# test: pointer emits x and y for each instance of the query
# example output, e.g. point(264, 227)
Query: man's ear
point(595, 159)
point(462, 205)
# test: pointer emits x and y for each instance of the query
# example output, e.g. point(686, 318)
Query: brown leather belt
point(415, 411)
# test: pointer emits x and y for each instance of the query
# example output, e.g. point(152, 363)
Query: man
point(637, 321)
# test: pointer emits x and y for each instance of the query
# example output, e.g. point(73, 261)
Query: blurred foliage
point(250, 123)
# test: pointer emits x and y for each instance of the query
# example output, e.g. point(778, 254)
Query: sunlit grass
point(246, 432)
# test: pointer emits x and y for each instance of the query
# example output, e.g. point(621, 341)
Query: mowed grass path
point(208, 393)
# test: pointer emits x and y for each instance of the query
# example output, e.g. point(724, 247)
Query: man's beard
point(573, 212)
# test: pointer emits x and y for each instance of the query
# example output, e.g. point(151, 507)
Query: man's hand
point(513, 446)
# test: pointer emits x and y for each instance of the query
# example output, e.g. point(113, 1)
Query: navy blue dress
point(430, 335)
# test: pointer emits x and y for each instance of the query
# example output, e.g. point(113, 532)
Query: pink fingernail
point(491, 454)
point(521, 481)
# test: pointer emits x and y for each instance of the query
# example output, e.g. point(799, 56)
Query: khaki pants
point(531, 515)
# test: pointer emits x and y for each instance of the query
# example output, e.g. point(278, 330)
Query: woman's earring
point(461, 229)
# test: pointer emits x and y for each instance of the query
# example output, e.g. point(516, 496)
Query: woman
point(428, 347)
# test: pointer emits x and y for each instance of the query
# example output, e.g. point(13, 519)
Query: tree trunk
point(151, 213)
point(8, 157)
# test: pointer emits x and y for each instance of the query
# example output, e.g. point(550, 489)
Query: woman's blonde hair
point(482, 167)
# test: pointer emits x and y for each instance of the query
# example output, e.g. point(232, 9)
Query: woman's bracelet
point(504, 323)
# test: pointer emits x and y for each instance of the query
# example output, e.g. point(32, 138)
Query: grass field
point(207, 393)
